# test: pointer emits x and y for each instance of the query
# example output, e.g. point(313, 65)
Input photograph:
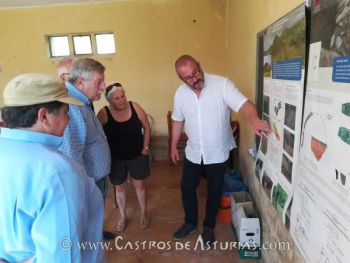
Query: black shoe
point(208, 236)
point(108, 235)
point(184, 231)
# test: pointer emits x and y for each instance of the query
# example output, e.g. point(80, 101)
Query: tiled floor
point(155, 244)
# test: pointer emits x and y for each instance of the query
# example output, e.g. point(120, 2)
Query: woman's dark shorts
point(138, 168)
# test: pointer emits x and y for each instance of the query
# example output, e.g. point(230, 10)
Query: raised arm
point(258, 125)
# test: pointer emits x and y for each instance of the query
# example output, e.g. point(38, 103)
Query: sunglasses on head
point(110, 87)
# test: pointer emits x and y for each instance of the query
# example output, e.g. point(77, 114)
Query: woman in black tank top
point(128, 133)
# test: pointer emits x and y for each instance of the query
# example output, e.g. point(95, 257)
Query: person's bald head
point(184, 60)
point(189, 71)
point(63, 69)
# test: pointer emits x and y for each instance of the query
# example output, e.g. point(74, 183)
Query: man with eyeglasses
point(203, 106)
point(84, 138)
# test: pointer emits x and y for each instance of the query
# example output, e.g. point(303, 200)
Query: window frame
point(72, 50)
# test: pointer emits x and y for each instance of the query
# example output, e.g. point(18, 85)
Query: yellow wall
point(150, 35)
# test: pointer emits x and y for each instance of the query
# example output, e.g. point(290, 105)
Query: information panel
point(320, 215)
point(283, 86)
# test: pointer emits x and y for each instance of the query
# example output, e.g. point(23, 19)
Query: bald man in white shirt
point(203, 106)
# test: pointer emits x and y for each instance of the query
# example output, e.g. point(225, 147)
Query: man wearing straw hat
point(49, 206)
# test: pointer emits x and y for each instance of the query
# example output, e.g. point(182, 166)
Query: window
point(59, 46)
point(105, 44)
point(81, 44)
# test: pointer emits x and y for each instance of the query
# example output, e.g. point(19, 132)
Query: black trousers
point(190, 180)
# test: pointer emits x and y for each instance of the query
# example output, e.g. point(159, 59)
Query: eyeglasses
point(195, 75)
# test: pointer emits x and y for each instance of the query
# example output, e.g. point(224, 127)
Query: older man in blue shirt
point(84, 139)
point(49, 206)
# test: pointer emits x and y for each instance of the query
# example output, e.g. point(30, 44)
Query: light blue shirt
point(84, 139)
point(47, 202)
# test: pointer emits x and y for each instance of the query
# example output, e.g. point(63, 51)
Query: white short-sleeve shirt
point(207, 118)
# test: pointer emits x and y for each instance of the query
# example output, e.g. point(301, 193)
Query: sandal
point(144, 222)
point(120, 226)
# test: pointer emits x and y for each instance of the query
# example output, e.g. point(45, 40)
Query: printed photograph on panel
point(289, 116)
point(287, 167)
point(331, 26)
point(266, 106)
point(279, 198)
point(288, 142)
point(267, 68)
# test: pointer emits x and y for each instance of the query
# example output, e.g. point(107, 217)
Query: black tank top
point(125, 138)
